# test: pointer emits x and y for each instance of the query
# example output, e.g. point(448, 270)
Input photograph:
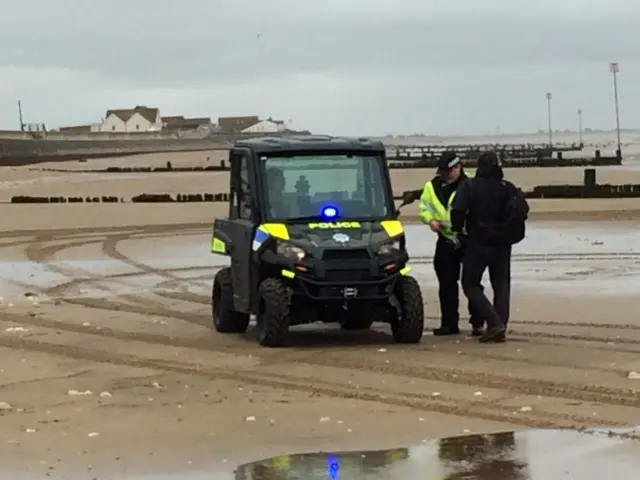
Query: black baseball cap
point(448, 160)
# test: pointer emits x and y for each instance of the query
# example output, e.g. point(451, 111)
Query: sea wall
point(14, 152)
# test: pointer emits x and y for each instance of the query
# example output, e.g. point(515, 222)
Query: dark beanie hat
point(488, 159)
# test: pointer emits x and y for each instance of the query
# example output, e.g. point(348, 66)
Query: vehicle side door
point(242, 226)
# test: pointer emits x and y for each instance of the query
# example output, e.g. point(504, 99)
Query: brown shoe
point(494, 335)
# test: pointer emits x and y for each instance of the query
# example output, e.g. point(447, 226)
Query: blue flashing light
point(333, 467)
point(329, 212)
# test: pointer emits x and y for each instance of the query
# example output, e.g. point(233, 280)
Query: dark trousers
point(498, 260)
point(447, 263)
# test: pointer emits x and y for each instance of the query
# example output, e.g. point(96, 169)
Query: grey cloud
point(332, 65)
point(212, 43)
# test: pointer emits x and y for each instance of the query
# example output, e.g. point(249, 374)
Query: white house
point(266, 126)
point(138, 119)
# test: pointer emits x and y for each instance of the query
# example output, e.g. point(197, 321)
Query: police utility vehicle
point(313, 235)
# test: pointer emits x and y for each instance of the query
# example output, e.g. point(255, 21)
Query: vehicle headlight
point(290, 251)
point(391, 248)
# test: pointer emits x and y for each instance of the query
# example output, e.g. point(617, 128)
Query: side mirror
point(408, 198)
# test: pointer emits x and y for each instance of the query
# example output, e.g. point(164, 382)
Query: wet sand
point(110, 367)
point(126, 312)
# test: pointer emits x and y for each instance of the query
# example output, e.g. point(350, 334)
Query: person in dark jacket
point(435, 202)
point(480, 204)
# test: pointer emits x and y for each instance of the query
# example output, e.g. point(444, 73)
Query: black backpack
point(516, 212)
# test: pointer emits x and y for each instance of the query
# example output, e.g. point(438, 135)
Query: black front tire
point(273, 313)
point(409, 326)
point(225, 317)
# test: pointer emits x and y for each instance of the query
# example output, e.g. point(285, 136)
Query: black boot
point(477, 327)
point(446, 330)
point(494, 335)
point(477, 331)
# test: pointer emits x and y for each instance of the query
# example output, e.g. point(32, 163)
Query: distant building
point(138, 119)
point(72, 129)
point(178, 122)
point(236, 124)
point(266, 126)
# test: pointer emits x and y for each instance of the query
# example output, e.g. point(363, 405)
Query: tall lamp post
point(20, 116)
point(614, 69)
point(580, 126)
point(548, 97)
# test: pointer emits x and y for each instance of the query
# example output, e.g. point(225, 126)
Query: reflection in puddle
point(522, 455)
point(526, 455)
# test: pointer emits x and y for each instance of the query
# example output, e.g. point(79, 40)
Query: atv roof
point(298, 143)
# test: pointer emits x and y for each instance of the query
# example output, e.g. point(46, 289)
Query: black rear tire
point(225, 318)
point(273, 313)
point(409, 326)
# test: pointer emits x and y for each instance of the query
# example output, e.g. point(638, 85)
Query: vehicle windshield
point(305, 187)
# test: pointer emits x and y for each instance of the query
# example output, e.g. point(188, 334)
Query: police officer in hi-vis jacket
point(435, 204)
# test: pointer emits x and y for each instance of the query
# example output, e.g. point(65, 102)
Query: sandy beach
point(39, 179)
point(111, 368)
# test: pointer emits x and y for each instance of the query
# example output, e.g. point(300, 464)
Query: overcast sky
point(331, 66)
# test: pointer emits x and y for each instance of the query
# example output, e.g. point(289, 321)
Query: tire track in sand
point(111, 249)
point(429, 370)
point(304, 355)
point(623, 397)
point(117, 234)
point(144, 305)
point(444, 405)
point(39, 252)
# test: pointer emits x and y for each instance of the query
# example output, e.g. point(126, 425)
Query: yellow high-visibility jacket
point(431, 208)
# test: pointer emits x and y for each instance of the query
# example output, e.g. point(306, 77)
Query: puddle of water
point(607, 277)
point(521, 455)
point(550, 238)
point(547, 240)
point(584, 272)
point(527, 455)
point(176, 253)
point(580, 273)
point(16, 277)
